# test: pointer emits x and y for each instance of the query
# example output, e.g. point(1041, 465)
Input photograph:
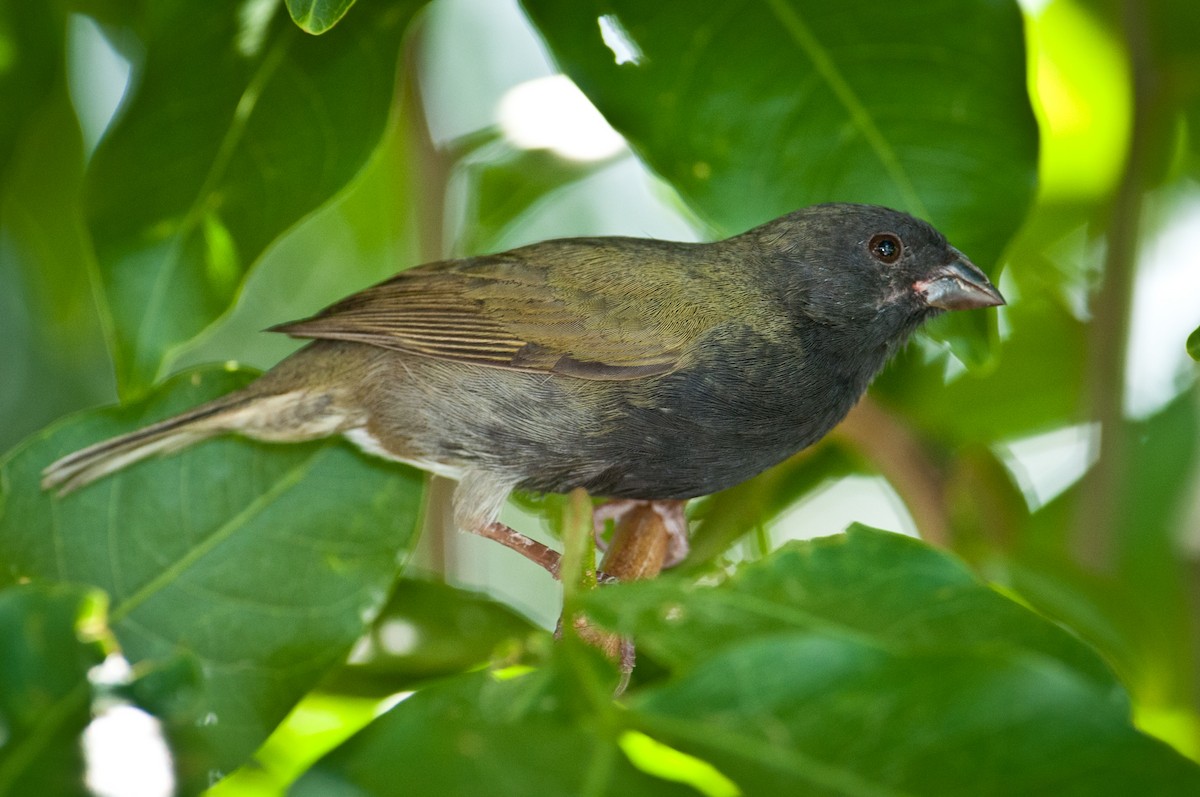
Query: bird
point(640, 370)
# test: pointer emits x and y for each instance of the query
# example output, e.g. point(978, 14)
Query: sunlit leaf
point(318, 16)
point(264, 563)
point(480, 734)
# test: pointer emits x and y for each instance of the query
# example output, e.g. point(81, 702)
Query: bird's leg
point(548, 558)
point(647, 535)
point(478, 499)
point(674, 523)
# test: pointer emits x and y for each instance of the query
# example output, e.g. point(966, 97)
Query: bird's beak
point(958, 285)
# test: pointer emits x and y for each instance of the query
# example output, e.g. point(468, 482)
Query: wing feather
point(510, 311)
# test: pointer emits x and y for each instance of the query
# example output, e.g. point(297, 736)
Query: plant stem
point(1101, 495)
point(427, 170)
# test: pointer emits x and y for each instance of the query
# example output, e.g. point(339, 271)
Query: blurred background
point(1056, 452)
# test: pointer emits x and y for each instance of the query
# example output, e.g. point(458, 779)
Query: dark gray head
point(870, 267)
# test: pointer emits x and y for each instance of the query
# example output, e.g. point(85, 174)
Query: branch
point(904, 461)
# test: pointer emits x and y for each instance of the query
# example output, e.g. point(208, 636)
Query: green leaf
point(761, 108)
point(872, 664)
point(505, 183)
point(31, 59)
point(318, 16)
point(428, 630)
point(264, 563)
point(56, 357)
point(732, 513)
point(1034, 387)
point(823, 713)
point(52, 637)
point(1193, 344)
point(480, 734)
point(1139, 616)
point(813, 106)
point(865, 584)
point(238, 127)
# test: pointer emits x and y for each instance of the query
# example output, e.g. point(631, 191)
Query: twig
point(904, 462)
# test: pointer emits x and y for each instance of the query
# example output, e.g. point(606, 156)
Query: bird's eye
point(885, 247)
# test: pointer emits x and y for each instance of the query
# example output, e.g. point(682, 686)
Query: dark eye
point(885, 247)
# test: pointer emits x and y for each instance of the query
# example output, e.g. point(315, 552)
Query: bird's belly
point(368, 443)
point(670, 465)
point(675, 438)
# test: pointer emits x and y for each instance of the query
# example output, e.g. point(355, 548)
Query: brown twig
point(904, 462)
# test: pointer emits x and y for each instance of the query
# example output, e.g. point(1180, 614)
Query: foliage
point(53, 636)
point(248, 173)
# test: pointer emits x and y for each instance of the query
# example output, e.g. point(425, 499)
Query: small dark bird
point(632, 368)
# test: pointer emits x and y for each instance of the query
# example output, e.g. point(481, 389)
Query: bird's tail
point(290, 416)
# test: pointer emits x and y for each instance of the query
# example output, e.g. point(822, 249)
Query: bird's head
point(845, 264)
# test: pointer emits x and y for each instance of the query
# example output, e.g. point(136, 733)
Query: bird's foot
point(670, 515)
point(647, 536)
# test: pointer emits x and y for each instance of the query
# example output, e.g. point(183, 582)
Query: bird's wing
point(600, 317)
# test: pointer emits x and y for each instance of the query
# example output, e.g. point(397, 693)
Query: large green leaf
point(51, 639)
point(822, 713)
point(753, 109)
point(479, 734)
point(263, 563)
point(866, 664)
point(867, 584)
point(237, 127)
point(871, 664)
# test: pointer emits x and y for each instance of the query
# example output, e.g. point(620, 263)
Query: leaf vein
point(285, 482)
point(858, 113)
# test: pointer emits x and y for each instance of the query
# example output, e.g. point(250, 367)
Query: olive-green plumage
point(633, 368)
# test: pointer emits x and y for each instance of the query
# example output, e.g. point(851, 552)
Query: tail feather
point(89, 464)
